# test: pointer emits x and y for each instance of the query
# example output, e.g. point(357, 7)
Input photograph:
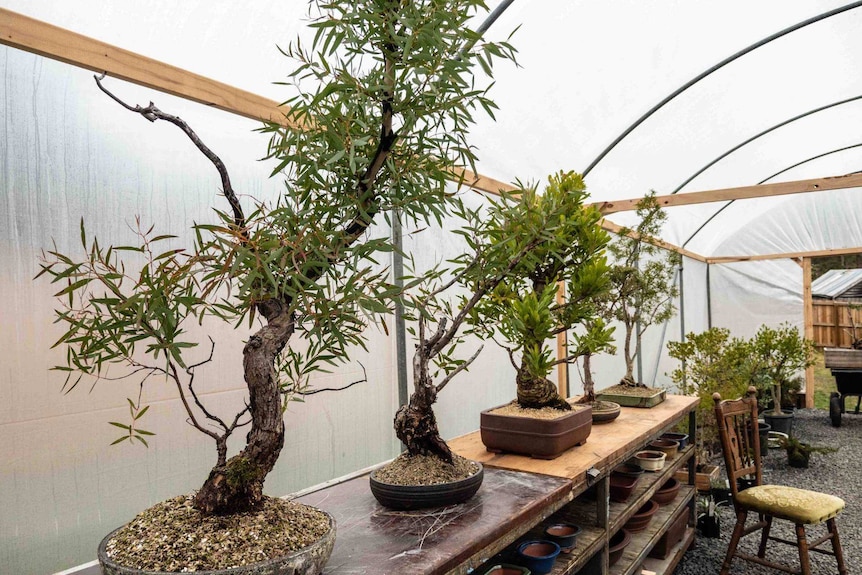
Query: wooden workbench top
point(605, 448)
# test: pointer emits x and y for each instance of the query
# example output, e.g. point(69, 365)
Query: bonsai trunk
point(237, 484)
point(416, 426)
point(776, 398)
point(538, 392)
point(629, 378)
point(589, 386)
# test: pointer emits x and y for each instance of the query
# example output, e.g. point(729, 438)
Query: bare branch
point(459, 369)
point(191, 372)
point(363, 380)
point(192, 419)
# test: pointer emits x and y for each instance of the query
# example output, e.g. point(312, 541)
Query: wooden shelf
point(643, 542)
point(667, 565)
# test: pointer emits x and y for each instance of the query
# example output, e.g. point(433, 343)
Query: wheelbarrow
point(846, 367)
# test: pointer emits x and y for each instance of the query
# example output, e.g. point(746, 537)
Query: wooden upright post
point(562, 349)
point(808, 320)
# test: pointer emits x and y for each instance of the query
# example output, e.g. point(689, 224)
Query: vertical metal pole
point(638, 329)
point(400, 329)
point(708, 298)
point(682, 317)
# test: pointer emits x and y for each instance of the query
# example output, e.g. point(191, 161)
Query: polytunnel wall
point(587, 71)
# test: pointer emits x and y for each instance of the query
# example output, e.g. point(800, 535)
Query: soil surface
point(174, 536)
point(516, 410)
point(638, 391)
point(425, 470)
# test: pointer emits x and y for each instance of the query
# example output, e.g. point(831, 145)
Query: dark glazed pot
point(617, 545)
point(681, 438)
point(642, 518)
point(307, 561)
point(538, 556)
point(563, 534)
point(621, 486)
point(605, 412)
point(629, 469)
point(539, 438)
point(403, 497)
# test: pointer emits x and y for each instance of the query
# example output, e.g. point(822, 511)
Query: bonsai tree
point(641, 277)
point(799, 453)
point(384, 97)
point(710, 362)
point(596, 338)
point(778, 354)
point(523, 309)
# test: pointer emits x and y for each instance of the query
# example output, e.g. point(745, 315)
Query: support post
point(562, 349)
point(708, 298)
point(400, 329)
point(808, 320)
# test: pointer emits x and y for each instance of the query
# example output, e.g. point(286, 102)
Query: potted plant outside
point(300, 264)
point(799, 453)
point(778, 354)
point(642, 290)
point(524, 313)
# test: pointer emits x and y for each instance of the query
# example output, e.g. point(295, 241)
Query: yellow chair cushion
point(797, 505)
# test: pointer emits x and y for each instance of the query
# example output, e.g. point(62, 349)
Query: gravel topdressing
point(425, 470)
point(834, 473)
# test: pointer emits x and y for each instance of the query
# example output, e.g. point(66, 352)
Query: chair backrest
point(740, 439)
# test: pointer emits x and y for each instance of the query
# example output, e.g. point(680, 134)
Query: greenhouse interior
point(592, 228)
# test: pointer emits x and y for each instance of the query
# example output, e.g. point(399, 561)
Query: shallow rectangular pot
point(633, 400)
point(539, 438)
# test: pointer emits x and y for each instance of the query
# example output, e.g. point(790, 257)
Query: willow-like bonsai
point(523, 309)
point(641, 276)
point(385, 94)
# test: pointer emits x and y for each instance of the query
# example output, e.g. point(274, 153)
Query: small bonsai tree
point(777, 355)
point(597, 337)
point(711, 361)
point(384, 97)
point(641, 277)
point(522, 309)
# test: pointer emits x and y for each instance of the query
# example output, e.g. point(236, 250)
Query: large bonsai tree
point(523, 308)
point(385, 95)
point(641, 276)
point(778, 354)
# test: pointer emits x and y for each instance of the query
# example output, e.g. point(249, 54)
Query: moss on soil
point(174, 536)
point(425, 470)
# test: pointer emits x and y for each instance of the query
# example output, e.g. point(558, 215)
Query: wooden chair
point(740, 442)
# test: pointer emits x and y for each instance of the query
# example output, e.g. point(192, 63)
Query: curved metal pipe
point(714, 68)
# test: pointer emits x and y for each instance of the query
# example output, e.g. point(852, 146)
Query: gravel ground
point(835, 473)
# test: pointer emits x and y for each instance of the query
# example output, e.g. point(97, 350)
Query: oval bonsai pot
point(306, 561)
point(404, 497)
point(563, 534)
point(668, 446)
point(630, 469)
point(650, 460)
point(667, 492)
point(642, 518)
point(605, 412)
point(538, 556)
point(539, 438)
point(681, 438)
point(505, 569)
point(617, 545)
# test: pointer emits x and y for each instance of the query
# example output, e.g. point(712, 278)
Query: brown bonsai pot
point(539, 438)
point(621, 486)
point(617, 545)
point(668, 446)
point(642, 518)
point(667, 492)
point(605, 411)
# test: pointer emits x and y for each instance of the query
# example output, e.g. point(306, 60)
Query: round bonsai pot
point(668, 446)
point(506, 569)
point(538, 556)
point(605, 412)
point(563, 534)
point(681, 438)
point(650, 460)
point(306, 561)
point(617, 545)
point(404, 497)
point(667, 492)
point(629, 469)
point(642, 518)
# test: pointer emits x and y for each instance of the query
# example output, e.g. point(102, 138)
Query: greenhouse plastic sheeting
point(587, 72)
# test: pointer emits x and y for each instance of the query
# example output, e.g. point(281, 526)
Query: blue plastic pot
point(538, 556)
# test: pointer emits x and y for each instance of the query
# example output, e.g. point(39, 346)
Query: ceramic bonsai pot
point(404, 497)
point(626, 400)
point(642, 518)
point(563, 534)
point(306, 561)
point(505, 569)
point(605, 412)
point(538, 556)
point(621, 487)
point(539, 438)
point(630, 469)
point(668, 492)
point(617, 545)
point(667, 446)
point(672, 536)
point(650, 460)
point(681, 438)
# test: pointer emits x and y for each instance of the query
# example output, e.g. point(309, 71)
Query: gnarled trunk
point(416, 425)
point(237, 484)
point(538, 393)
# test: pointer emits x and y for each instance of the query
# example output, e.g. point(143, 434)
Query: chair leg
point(802, 543)
point(734, 540)
point(832, 526)
point(764, 536)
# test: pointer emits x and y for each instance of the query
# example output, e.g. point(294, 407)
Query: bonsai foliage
point(798, 453)
point(523, 308)
point(384, 96)
point(778, 354)
point(641, 277)
point(711, 361)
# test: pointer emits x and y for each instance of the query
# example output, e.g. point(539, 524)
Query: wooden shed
point(834, 295)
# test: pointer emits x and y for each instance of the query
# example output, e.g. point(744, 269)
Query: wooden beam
point(745, 192)
point(787, 255)
point(617, 229)
point(808, 332)
point(562, 349)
